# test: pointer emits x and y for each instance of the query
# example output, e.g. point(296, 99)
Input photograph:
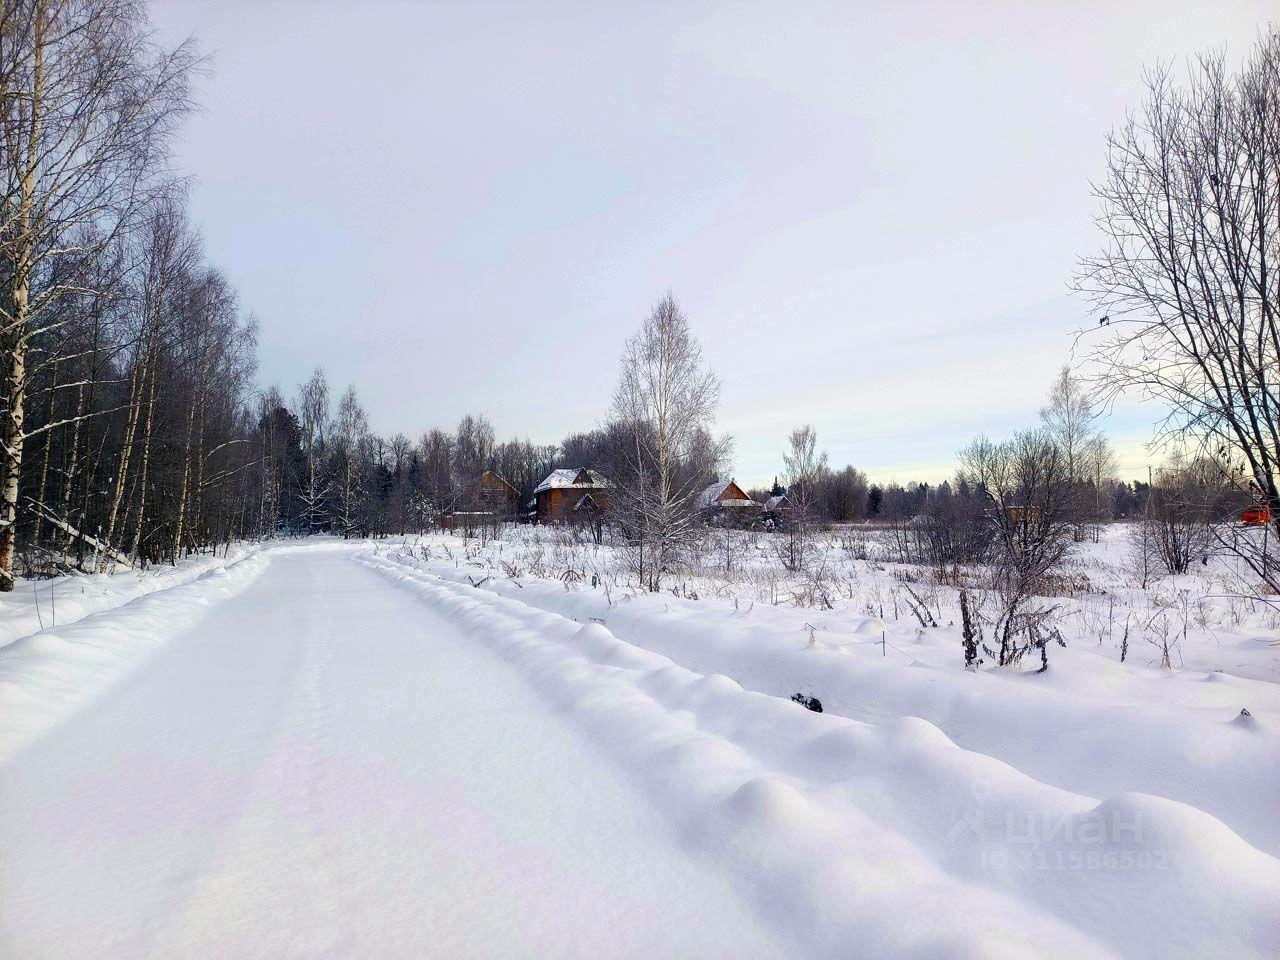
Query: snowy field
point(449, 748)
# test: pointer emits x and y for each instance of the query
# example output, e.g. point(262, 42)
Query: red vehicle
point(1256, 516)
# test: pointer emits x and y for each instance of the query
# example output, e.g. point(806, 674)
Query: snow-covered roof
point(569, 477)
point(709, 494)
point(774, 503)
point(710, 497)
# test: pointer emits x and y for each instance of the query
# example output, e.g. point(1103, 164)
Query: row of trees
point(126, 358)
point(896, 502)
point(321, 469)
point(844, 496)
point(130, 429)
point(841, 496)
point(1073, 420)
point(950, 525)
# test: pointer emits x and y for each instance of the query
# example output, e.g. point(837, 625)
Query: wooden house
point(571, 495)
point(725, 500)
point(496, 493)
point(490, 501)
point(777, 504)
point(1021, 516)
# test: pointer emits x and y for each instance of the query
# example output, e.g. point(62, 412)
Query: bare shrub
point(1178, 521)
point(1143, 554)
point(952, 531)
point(971, 632)
point(1027, 485)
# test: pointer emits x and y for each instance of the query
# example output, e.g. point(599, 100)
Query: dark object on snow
point(809, 703)
point(971, 632)
point(1245, 719)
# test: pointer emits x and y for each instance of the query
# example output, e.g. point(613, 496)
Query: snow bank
point(1090, 725)
point(40, 604)
point(885, 839)
point(106, 626)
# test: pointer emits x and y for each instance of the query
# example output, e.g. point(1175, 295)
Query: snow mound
point(1090, 726)
point(890, 837)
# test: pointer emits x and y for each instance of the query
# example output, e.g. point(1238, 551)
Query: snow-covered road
point(323, 767)
point(340, 751)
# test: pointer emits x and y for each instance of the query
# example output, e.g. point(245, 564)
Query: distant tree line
point(322, 470)
point(895, 502)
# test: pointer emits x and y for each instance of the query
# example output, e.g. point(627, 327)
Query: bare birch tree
point(313, 417)
point(805, 470)
point(1072, 420)
point(662, 408)
point(350, 443)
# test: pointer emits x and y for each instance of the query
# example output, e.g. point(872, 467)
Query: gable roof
point(572, 477)
point(723, 493)
point(489, 476)
point(777, 503)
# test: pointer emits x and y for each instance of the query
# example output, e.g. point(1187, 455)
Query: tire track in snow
point(279, 849)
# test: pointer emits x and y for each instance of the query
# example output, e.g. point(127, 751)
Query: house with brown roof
point(724, 500)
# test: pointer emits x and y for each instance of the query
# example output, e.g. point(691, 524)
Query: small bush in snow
point(809, 703)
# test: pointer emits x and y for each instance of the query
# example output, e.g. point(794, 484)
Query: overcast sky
point(870, 212)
